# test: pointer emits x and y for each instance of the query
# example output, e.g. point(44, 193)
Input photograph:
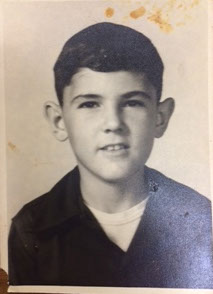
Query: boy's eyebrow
point(86, 96)
point(127, 95)
point(136, 93)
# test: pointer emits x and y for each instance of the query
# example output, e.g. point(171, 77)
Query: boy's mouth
point(115, 147)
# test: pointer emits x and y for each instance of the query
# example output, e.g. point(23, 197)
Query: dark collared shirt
point(55, 240)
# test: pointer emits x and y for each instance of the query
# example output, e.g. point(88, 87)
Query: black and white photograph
point(107, 183)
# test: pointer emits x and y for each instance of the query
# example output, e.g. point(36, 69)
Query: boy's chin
point(111, 173)
point(116, 176)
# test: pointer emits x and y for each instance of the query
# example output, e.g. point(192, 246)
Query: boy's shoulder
point(64, 201)
point(173, 191)
point(178, 204)
point(51, 208)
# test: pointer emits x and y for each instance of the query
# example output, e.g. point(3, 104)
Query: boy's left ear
point(165, 110)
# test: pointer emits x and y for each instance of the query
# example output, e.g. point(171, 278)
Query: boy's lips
point(114, 147)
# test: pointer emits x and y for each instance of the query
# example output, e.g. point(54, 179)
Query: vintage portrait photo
point(108, 157)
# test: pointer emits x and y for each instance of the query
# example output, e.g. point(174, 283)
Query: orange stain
point(195, 3)
point(109, 12)
point(180, 6)
point(12, 146)
point(138, 12)
point(163, 24)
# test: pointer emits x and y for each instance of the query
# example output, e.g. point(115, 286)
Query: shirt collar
point(64, 202)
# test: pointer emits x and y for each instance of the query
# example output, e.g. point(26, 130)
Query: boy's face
point(111, 120)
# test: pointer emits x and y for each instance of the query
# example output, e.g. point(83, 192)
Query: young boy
point(112, 221)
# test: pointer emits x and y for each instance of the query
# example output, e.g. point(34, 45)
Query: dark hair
point(108, 47)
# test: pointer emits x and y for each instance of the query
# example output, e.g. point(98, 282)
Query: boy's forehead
point(88, 81)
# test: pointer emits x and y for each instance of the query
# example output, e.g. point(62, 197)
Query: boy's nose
point(112, 120)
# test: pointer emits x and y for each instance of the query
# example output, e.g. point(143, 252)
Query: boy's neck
point(113, 197)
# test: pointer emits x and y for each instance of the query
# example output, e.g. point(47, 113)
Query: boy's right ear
point(53, 114)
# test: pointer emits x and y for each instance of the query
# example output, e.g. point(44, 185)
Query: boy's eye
point(88, 104)
point(134, 103)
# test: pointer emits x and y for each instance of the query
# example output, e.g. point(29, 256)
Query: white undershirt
point(120, 227)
